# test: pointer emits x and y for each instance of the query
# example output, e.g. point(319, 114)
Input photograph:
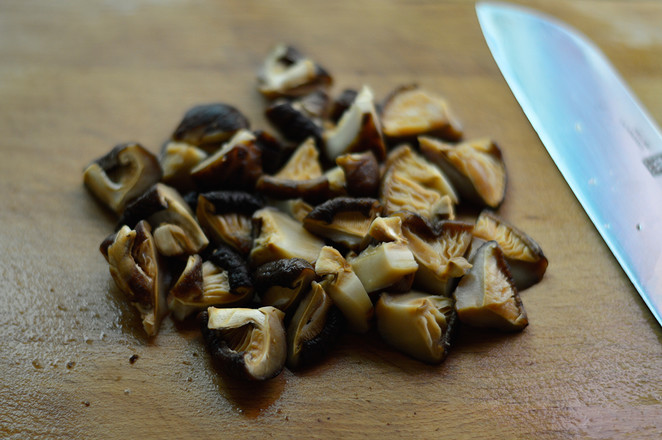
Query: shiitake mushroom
point(246, 343)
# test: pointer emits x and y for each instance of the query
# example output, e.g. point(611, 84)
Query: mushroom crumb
point(352, 215)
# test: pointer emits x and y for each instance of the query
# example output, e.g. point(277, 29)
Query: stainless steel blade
point(603, 141)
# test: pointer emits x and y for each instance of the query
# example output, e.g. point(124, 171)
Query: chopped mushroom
point(383, 265)
point(287, 72)
point(439, 251)
point(246, 343)
point(301, 177)
point(343, 220)
point(299, 119)
point(416, 323)
point(176, 232)
point(476, 168)
point(315, 326)
point(345, 289)
point(274, 153)
point(202, 284)
point(138, 272)
point(121, 175)
point(277, 235)
point(524, 256)
point(401, 193)
point(361, 173)
point(177, 160)
point(236, 165)
point(226, 217)
point(486, 296)
point(341, 103)
point(210, 125)
point(405, 162)
point(411, 183)
point(281, 283)
point(358, 129)
point(410, 111)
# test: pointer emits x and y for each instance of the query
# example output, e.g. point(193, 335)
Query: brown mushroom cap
point(226, 217)
point(176, 231)
point(137, 270)
point(314, 327)
point(247, 343)
point(343, 220)
point(299, 119)
point(361, 173)
point(417, 323)
point(236, 165)
point(122, 175)
point(287, 72)
point(281, 283)
point(486, 296)
point(210, 124)
point(475, 167)
point(301, 177)
point(524, 255)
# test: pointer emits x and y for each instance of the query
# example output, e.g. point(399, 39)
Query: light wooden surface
point(77, 77)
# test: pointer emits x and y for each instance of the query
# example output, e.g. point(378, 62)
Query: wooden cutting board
point(78, 77)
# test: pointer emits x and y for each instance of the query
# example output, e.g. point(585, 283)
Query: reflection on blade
point(606, 146)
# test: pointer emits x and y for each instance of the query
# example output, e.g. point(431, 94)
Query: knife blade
point(606, 145)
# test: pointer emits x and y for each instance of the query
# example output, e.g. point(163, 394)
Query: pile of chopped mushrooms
point(345, 218)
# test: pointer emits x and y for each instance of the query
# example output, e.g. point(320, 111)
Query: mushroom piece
point(301, 177)
point(246, 343)
point(287, 72)
point(439, 251)
point(138, 272)
point(475, 167)
point(357, 130)
point(277, 235)
point(341, 103)
point(411, 183)
point(401, 193)
point(236, 165)
point(299, 119)
point(274, 153)
point(416, 323)
point(177, 160)
point(383, 265)
point(226, 217)
point(343, 220)
point(524, 256)
point(410, 111)
point(314, 327)
point(345, 289)
point(361, 173)
point(486, 296)
point(123, 174)
point(281, 283)
point(201, 285)
point(176, 232)
point(210, 125)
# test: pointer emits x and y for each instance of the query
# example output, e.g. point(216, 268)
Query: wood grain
point(77, 77)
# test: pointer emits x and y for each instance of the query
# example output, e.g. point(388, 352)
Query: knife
point(603, 141)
